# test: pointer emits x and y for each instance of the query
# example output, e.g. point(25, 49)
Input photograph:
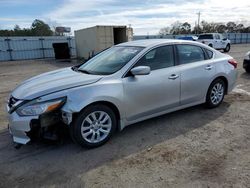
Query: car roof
point(154, 42)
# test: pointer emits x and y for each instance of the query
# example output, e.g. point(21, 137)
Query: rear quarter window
point(209, 53)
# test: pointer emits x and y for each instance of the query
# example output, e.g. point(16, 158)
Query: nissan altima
point(120, 86)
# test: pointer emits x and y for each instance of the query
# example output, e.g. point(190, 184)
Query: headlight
point(35, 108)
point(247, 56)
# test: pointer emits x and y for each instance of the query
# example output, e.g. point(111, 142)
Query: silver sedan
point(124, 84)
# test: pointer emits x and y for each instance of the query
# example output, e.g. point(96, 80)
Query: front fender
point(79, 98)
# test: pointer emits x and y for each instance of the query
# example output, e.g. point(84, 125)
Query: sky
point(145, 16)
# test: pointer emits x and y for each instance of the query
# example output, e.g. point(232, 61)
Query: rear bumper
point(232, 79)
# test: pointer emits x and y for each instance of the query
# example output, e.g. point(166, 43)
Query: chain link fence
point(236, 38)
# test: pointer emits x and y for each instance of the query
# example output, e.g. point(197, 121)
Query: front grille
point(12, 101)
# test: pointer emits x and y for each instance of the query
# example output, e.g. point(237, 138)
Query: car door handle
point(173, 76)
point(209, 67)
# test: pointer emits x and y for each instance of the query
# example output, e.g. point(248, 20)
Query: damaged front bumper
point(26, 128)
point(19, 127)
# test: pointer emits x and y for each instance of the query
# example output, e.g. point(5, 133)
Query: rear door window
point(189, 53)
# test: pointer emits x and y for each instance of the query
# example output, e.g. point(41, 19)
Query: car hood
point(51, 82)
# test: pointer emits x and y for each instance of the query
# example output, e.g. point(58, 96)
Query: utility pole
point(195, 28)
point(199, 15)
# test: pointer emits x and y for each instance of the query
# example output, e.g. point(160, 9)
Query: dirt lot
point(195, 147)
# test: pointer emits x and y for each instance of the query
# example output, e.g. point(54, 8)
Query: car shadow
point(245, 75)
point(68, 161)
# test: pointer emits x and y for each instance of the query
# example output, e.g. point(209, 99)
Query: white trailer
point(90, 41)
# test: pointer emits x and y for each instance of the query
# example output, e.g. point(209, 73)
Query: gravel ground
point(194, 147)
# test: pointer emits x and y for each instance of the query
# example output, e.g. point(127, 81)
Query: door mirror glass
point(140, 70)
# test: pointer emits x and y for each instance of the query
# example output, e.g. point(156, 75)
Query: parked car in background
point(246, 62)
point(192, 38)
point(122, 85)
point(216, 41)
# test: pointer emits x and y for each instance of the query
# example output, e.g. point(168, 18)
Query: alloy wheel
point(217, 93)
point(96, 126)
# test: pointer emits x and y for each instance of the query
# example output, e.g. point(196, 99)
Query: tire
point(216, 93)
point(93, 126)
point(227, 49)
point(247, 69)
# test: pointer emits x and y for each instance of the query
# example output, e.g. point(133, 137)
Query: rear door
point(196, 72)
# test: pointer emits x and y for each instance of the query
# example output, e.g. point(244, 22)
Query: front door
point(146, 95)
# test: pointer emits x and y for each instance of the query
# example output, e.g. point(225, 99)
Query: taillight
point(233, 62)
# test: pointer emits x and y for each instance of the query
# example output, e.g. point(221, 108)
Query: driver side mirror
point(140, 70)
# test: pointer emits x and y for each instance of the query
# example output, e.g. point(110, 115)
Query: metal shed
point(90, 41)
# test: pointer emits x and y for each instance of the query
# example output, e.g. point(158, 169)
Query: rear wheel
point(247, 69)
point(215, 94)
point(94, 126)
point(227, 49)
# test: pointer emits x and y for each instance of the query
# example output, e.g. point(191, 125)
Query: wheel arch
point(106, 103)
point(222, 78)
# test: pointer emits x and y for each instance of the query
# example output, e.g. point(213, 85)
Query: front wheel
point(94, 126)
point(215, 94)
point(227, 49)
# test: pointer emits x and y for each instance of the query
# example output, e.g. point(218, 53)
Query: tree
point(164, 31)
point(231, 27)
point(221, 28)
point(17, 28)
point(239, 28)
point(246, 30)
point(185, 28)
point(176, 29)
point(39, 28)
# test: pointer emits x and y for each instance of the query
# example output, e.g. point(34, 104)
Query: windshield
point(206, 37)
point(110, 61)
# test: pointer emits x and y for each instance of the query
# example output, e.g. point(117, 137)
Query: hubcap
point(96, 127)
point(217, 93)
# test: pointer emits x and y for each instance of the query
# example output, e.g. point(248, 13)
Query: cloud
point(145, 17)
